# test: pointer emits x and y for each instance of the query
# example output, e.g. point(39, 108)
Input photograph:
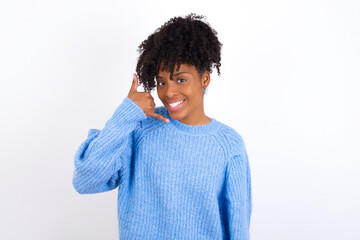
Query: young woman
point(180, 174)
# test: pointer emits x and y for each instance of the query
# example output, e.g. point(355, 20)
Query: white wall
point(289, 85)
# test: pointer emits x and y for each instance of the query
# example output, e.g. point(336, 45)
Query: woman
point(180, 174)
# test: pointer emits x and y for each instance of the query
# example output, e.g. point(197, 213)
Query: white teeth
point(175, 104)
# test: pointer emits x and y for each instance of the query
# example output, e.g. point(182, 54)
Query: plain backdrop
point(289, 85)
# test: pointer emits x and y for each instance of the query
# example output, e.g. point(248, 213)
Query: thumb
point(134, 84)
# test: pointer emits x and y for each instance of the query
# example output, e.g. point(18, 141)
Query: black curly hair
point(180, 40)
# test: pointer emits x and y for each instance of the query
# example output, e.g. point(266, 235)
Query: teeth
point(175, 104)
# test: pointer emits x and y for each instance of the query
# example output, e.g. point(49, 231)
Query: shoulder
point(231, 140)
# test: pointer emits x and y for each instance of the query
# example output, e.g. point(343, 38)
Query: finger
point(151, 97)
point(152, 104)
point(134, 84)
point(158, 116)
point(147, 94)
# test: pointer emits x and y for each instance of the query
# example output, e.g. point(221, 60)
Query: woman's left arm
point(238, 197)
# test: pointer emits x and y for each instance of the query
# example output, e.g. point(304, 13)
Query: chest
point(174, 163)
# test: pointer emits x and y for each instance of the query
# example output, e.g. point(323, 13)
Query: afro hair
point(180, 40)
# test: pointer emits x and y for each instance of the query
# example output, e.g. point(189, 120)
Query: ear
point(205, 79)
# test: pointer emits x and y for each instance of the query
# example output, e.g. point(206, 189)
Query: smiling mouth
point(176, 106)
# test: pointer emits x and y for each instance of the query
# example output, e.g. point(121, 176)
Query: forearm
point(99, 158)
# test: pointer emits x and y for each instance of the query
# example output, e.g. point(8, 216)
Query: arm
point(98, 160)
point(238, 197)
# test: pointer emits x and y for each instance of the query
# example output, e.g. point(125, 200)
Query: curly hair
point(180, 40)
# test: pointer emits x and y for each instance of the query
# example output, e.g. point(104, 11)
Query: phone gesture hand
point(144, 100)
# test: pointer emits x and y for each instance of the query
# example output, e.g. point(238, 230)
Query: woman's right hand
point(144, 100)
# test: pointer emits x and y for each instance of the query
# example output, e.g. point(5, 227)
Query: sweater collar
point(206, 129)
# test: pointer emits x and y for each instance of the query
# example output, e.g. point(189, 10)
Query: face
point(183, 94)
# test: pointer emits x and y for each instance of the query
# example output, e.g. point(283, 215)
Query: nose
point(171, 90)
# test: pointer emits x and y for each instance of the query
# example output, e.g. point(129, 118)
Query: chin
point(175, 116)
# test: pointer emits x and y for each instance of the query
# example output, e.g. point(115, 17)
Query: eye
point(182, 80)
point(160, 83)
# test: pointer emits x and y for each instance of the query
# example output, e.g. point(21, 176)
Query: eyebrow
point(173, 75)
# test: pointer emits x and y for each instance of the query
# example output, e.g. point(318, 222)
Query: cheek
point(193, 92)
point(159, 93)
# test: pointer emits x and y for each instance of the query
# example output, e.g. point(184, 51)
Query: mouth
point(176, 105)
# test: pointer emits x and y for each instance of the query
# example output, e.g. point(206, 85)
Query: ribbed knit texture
point(175, 181)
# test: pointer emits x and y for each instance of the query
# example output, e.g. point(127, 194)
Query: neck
point(197, 117)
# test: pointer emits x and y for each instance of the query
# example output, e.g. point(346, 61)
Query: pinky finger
point(158, 116)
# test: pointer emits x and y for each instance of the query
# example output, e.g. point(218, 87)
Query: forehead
point(184, 67)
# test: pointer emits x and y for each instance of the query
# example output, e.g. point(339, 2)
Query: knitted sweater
point(175, 181)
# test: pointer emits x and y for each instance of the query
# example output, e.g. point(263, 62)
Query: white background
point(289, 85)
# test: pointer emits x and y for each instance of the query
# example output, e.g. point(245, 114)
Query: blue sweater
point(175, 181)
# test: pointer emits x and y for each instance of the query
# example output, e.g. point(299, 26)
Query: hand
point(144, 100)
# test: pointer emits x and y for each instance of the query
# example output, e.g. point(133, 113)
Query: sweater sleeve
point(98, 160)
point(238, 197)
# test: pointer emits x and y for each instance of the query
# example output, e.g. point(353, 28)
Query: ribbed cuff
point(127, 111)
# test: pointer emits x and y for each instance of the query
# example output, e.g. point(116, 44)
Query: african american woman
point(180, 174)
